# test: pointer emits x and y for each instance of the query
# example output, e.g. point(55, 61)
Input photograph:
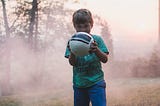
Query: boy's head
point(82, 20)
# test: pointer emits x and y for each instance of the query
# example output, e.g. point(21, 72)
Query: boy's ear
point(74, 25)
point(91, 25)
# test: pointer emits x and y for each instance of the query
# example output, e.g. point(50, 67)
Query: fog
point(46, 73)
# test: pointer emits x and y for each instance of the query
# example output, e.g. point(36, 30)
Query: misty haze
point(33, 39)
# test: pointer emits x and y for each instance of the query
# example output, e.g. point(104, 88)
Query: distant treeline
point(148, 66)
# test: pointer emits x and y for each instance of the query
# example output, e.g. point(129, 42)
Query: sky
point(133, 24)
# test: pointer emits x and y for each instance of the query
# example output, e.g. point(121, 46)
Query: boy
point(88, 77)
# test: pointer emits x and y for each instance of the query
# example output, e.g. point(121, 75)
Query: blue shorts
point(95, 94)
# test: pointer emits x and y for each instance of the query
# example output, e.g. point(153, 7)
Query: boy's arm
point(72, 59)
point(101, 55)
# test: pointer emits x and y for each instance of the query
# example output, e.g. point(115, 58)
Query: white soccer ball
point(80, 43)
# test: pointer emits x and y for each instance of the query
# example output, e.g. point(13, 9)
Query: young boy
point(88, 78)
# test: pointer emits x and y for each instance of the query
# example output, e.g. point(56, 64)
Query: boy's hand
point(94, 47)
point(101, 55)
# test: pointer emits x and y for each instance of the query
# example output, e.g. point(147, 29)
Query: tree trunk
point(5, 83)
point(36, 31)
point(5, 19)
point(32, 23)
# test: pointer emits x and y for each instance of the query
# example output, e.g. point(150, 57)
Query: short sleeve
point(101, 45)
point(67, 52)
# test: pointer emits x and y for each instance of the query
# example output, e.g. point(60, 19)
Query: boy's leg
point(97, 94)
point(81, 97)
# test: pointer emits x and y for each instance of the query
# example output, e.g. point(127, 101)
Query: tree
point(6, 78)
point(33, 22)
point(105, 32)
point(107, 37)
point(154, 63)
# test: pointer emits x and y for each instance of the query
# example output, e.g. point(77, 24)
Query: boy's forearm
point(72, 59)
point(102, 56)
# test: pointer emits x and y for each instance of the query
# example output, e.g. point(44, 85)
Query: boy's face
point(85, 27)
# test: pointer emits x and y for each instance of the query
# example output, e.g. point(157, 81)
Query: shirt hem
point(88, 85)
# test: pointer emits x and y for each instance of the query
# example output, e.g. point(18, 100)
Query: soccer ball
point(80, 43)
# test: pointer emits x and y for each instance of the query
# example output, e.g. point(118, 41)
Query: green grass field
point(120, 92)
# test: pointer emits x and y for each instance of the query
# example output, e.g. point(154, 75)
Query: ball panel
point(80, 43)
point(83, 35)
point(80, 40)
point(79, 48)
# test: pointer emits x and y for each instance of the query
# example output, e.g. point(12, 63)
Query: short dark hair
point(82, 16)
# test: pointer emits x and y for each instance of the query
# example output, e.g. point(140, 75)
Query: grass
point(139, 97)
point(9, 101)
point(134, 92)
point(120, 92)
